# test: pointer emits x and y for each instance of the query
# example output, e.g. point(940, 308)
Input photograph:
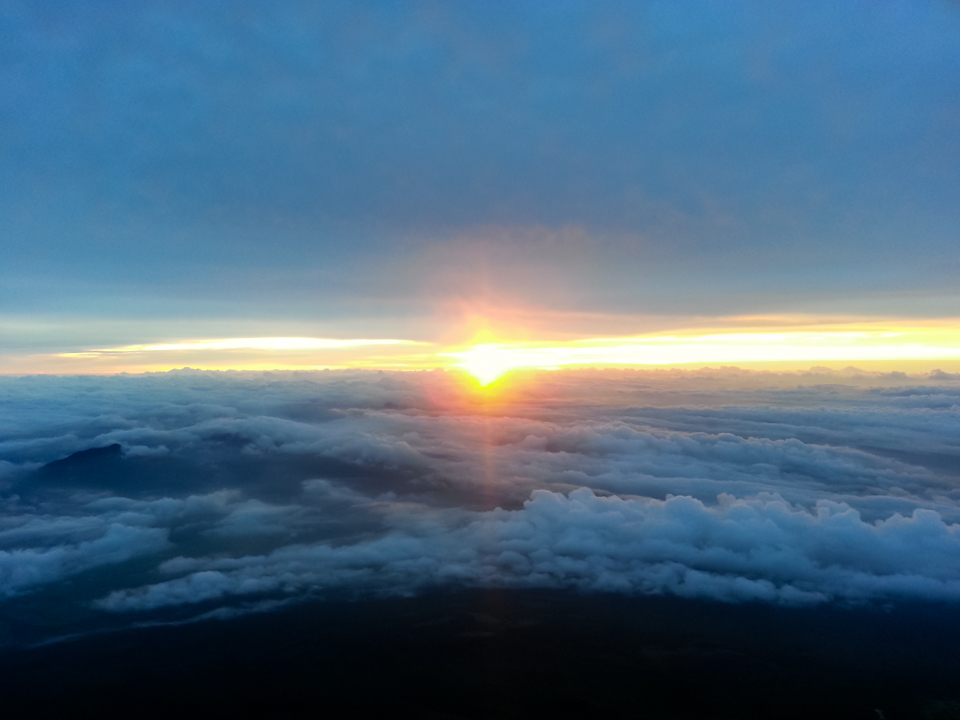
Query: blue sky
point(171, 168)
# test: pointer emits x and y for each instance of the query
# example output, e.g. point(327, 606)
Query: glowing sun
point(487, 362)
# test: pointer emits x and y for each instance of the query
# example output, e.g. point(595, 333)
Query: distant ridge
point(84, 456)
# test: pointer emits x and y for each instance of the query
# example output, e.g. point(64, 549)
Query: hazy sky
point(240, 169)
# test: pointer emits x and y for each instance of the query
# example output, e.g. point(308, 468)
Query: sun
point(488, 357)
point(487, 362)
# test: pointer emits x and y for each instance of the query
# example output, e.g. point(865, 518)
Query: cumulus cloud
point(755, 549)
point(250, 489)
point(26, 567)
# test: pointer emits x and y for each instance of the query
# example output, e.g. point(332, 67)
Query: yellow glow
point(765, 342)
point(489, 361)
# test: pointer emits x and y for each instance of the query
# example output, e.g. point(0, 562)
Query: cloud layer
point(230, 490)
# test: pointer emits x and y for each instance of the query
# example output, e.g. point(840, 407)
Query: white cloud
point(741, 549)
point(24, 568)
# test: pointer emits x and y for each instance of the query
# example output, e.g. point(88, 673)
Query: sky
point(547, 304)
point(527, 177)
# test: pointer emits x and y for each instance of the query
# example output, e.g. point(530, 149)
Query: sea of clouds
point(235, 491)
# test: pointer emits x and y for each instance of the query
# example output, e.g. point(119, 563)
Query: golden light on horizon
point(487, 357)
point(490, 361)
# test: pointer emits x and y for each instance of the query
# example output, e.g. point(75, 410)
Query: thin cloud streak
point(255, 343)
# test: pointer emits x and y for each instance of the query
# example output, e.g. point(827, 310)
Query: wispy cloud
point(250, 343)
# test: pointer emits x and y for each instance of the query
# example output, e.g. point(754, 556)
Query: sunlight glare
point(487, 362)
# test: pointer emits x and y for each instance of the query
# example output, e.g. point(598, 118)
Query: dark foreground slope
point(516, 654)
